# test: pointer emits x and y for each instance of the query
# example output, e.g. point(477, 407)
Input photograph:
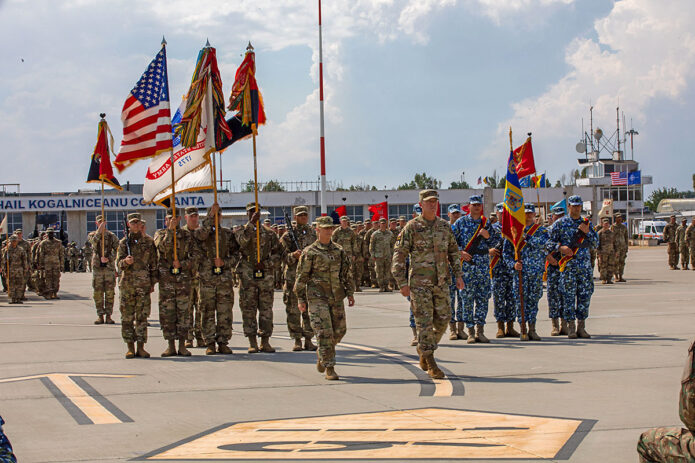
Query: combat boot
point(223, 348)
point(500, 330)
point(171, 349)
point(331, 375)
point(556, 327)
point(571, 330)
point(109, 320)
point(253, 345)
point(141, 352)
point(532, 332)
point(453, 336)
point(319, 365)
point(480, 334)
point(622, 280)
point(422, 360)
point(131, 350)
point(265, 345)
point(511, 332)
point(433, 370)
point(182, 348)
point(211, 349)
point(461, 330)
point(471, 335)
point(188, 343)
point(200, 342)
point(99, 320)
point(297, 345)
point(414, 341)
point(308, 345)
point(581, 330)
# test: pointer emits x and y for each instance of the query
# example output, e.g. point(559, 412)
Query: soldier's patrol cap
point(673, 216)
point(383, 220)
point(50, 229)
point(192, 210)
point(252, 206)
point(499, 207)
point(367, 221)
point(19, 230)
point(359, 222)
point(417, 209)
point(401, 217)
point(575, 200)
point(393, 221)
point(134, 217)
point(428, 194)
point(617, 214)
point(454, 208)
point(324, 222)
point(282, 225)
point(267, 221)
point(99, 218)
point(475, 199)
point(344, 217)
point(529, 207)
point(557, 210)
point(605, 220)
point(299, 210)
point(14, 237)
point(170, 212)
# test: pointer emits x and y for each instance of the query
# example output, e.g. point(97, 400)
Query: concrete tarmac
point(67, 393)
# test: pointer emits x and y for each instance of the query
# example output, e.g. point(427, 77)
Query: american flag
point(146, 116)
point(619, 178)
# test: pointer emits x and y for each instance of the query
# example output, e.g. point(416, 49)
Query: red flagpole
point(324, 210)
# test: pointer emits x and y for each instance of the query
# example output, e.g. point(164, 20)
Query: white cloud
point(498, 9)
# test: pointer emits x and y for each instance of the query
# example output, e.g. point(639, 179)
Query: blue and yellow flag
point(514, 215)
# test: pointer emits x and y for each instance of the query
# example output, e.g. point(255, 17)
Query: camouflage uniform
point(87, 250)
point(433, 255)
point(577, 279)
point(324, 279)
point(298, 323)
point(371, 269)
point(670, 238)
point(26, 245)
point(135, 285)
point(682, 245)
point(195, 314)
point(502, 280)
point(674, 444)
point(72, 257)
point(6, 453)
point(50, 259)
point(476, 272)
point(380, 250)
point(174, 290)
point(364, 272)
point(357, 260)
point(256, 295)
point(622, 237)
point(606, 254)
point(104, 278)
point(15, 260)
point(690, 239)
point(216, 298)
point(37, 274)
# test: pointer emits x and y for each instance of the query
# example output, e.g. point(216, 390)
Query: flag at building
point(513, 216)
point(204, 99)
point(525, 182)
point(146, 116)
point(618, 178)
point(480, 180)
point(192, 165)
point(634, 178)
point(523, 158)
point(341, 211)
point(379, 210)
point(100, 167)
point(246, 98)
point(539, 181)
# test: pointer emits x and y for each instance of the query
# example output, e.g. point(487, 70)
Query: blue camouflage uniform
point(476, 272)
point(502, 285)
point(6, 453)
point(533, 265)
point(455, 299)
point(555, 293)
point(577, 280)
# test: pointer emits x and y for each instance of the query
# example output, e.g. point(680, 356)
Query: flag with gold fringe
point(100, 167)
point(513, 216)
point(246, 98)
point(523, 159)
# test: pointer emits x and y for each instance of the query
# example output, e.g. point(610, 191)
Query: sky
point(410, 85)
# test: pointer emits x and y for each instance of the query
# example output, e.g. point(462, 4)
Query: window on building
point(397, 210)
point(115, 221)
point(277, 214)
point(14, 221)
point(57, 220)
point(161, 218)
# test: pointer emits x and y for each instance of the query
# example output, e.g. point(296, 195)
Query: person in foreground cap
point(50, 258)
point(572, 237)
point(622, 238)
point(15, 261)
point(256, 280)
point(324, 280)
point(103, 271)
point(137, 260)
point(472, 233)
point(293, 242)
point(195, 312)
point(606, 252)
point(502, 282)
point(427, 280)
point(528, 264)
point(670, 238)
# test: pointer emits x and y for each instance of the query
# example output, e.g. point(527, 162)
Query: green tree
point(421, 182)
point(502, 183)
point(459, 185)
point(273, 185)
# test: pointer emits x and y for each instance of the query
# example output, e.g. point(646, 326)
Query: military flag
point(513, 216)
point(246, 98)
point(146, 115)
point(523, 158)
point(538, 181)
point(100, 169)
point(379, 210)
point(341, 211)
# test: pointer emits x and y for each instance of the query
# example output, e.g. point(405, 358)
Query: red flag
point(523, 157)
point(246, 97)
point(100, 167)
point(466, 209)
point(379, 210)
point(341, 211)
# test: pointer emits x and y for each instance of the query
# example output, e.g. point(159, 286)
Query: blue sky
point(411, 85)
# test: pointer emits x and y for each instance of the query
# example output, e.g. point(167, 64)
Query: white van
point(652, 229)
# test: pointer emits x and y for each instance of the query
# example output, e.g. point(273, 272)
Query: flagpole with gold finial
point(172, 200)
point(103, 214)
point(258, 273)
point(524, 333)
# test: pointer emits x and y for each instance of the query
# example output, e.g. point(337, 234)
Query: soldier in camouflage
point(670, 239)
point(87, 251)
point(72, 255)
point(430, 245)
point(137, 260)
point(50, 258)
point(37, 274)
point(380, 250)
point(352, 244)
point(502, 282)
point(358, 264)
point(24, 244)
point(216, 287)
point(371, 267)
point(103, 271)
point(682, 244)
point(606, 252)
point(690, 239)
point(457, 327)
point(555, 290)
point(256, 289)
point(393, 228)
point(195, 314)
point(677, 444)
point(298, 323)
point(15, 266)
point(324, 279)
point(174, 284)
point(622, 238)
point(6, 453)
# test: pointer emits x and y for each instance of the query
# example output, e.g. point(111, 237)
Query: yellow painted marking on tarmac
point(400, 435)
